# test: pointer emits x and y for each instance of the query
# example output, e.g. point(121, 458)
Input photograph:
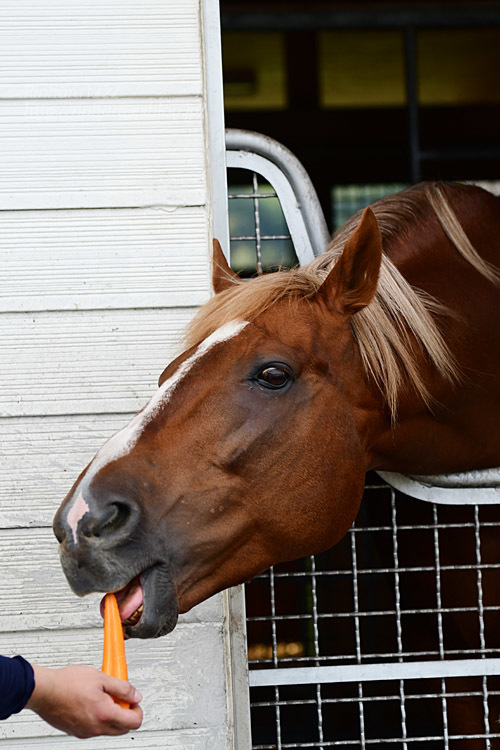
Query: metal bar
point(256, 214)
point(361, 708)
point(439, 608)
point(397, 592)
point(373, 613)
point(370, 571)
point(444, 709)
point(480, 612)
point(404, 569)
point(399, 626)
point(262, 237)
point(412, 101)
point(251, 195)
point(355, 590)
point(357, 631)
point(486, 711)
point(363, 18)
point(462, 479)
point(300, 182)
point(316, 645)
point(491, 652)
point(477, 495)
point(371, 698)
point(416, 670)
point(277, 712)
point(386, 741)
point(437, 558)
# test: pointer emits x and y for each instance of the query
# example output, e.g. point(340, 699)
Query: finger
point(121, 689)
point(125, 719)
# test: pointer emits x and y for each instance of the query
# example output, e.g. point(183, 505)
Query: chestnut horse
point(383, 353)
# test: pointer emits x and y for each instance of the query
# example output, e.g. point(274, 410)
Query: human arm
point(78, 700)
point(16, 684)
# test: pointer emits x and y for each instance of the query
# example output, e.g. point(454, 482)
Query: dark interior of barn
point(372, 98)
point(368, 93)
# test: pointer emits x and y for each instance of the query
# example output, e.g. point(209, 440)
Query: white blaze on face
point(75, 515)
point(124, 440)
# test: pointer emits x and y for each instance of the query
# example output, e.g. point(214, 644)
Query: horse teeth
point(135, 616)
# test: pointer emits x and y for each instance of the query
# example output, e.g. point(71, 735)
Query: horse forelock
point(246, 300)
point(380, 329)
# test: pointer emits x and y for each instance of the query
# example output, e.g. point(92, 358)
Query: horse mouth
point(148, 604)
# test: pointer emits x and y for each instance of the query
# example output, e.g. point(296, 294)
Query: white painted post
point(112, 185)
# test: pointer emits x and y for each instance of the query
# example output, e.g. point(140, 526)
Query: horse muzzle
point(102, 548)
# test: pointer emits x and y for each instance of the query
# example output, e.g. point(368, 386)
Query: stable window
point(390, 638)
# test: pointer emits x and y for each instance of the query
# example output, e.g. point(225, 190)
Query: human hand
point(78, 700)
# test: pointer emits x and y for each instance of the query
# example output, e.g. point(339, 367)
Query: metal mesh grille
point(260, 239)
point(410, 582)
point(399, 714)
point(404, 572)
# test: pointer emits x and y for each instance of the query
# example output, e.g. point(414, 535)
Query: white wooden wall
point(105, 225)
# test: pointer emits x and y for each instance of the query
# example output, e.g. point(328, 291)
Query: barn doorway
point(391, 637)
point(414, 582)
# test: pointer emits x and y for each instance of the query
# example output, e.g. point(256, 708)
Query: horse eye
point(273, 377)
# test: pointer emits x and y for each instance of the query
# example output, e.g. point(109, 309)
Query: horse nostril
point(115, 519)
point(59, 531)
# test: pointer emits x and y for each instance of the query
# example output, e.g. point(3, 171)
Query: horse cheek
point(340, 486)
point(314, 507)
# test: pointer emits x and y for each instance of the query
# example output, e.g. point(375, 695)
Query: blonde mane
point(384, 329)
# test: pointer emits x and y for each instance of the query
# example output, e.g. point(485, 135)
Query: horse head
point(248, 454)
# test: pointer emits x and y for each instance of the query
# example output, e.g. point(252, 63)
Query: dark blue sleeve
point(16, 685)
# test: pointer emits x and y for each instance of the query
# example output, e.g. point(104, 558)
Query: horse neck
point(446, 435)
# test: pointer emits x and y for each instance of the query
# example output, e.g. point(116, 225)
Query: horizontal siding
point(103, 153)
point(189, 739)
point(101, 259)
point(181, 676)
point(65, 48)
point(85, 362)
point(41, 457)
point(37, 594)
point(104, 226)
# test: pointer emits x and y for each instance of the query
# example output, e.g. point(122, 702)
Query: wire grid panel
point(260, 239)
point(406, 599)
point(392, 638)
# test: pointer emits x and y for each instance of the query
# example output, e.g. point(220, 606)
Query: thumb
point(121, 689)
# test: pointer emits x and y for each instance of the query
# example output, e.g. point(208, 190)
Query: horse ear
point(222, 275)
point(352, 282)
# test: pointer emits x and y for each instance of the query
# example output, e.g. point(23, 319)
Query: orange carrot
point(114, 662)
